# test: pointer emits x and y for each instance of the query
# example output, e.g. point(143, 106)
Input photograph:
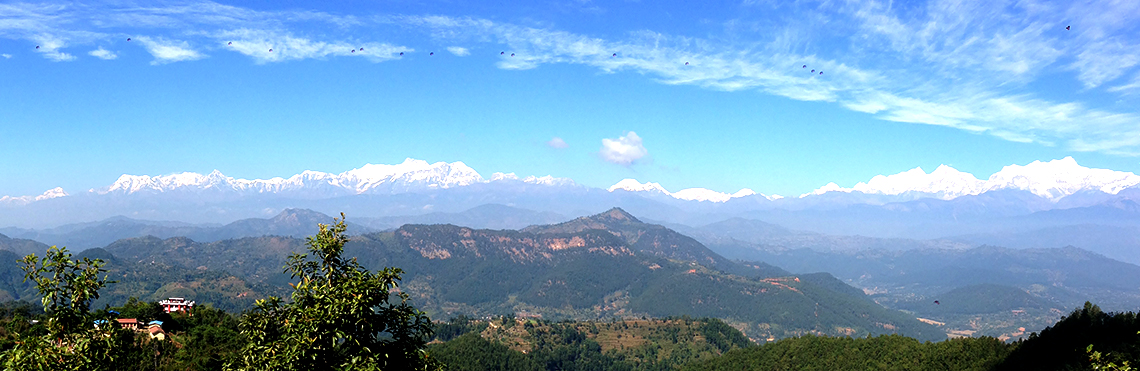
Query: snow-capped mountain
point(538, 180)
point(1059, 178)
point(410, 175)
point(1052, 180)
point(56, 192)
point(688, 194)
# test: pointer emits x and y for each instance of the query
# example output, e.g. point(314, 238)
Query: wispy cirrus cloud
point(965, 64)
point(286, 46)
point(954, 64)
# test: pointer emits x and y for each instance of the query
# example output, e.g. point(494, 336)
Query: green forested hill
point(889, 352)
point(651, 344)
point(565, 271)
point(21, 246)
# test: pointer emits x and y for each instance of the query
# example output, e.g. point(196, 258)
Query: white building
point(176, 305)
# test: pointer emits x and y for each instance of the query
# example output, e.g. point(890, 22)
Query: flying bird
point(512, 54)
point(401, 53)
point(1067, 28)
point(615, 54)
point(37, 46)
point(353, 51)
point(362, 49)
point(231, 43)
point(820, 72)
point(812, 71)
point(270, 50)
point(805, 66)
point(128, 39)
point(501, 53)
point(936, 302)
point(432, 53)
point(686, 63)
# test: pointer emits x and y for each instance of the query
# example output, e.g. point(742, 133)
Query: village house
point(128, 323)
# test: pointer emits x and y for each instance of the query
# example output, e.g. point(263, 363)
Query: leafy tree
point(1099, 361)
point(342, 316)
point(210, 338)
point(1067, 344)
point(470, 352)
point(76, 339)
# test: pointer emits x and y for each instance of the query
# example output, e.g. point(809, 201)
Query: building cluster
point(154, 328)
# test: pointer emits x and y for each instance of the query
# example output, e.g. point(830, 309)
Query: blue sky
point(973, 84)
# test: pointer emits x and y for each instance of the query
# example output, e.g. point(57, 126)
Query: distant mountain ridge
point(289, 222)
point(609, 264)
point(912, 205)
point(409, 175)
point(1052, 180)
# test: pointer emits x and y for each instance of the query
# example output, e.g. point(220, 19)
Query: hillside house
point(176, 305)
point(128, 323)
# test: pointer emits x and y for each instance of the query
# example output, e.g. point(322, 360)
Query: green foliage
point(648, 344)
point(1100, 361)
point(341, 316)
point(209, 339)
point(887, 352)
point(470, 352)
point(1067, 345)
point(75, 339)
point(456, 327)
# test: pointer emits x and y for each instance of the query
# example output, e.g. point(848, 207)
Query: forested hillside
point(603, 266)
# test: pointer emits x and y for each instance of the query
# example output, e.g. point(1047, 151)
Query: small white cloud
point(57, 56)
point(103, 54)
point(557, 142)
point(462, 52)
point(624, 150)
point(6, 56)
point(49, 47)
point(169, 51)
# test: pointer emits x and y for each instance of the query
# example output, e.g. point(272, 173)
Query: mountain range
point(944, 204)
point(1051, 180)
point(600, 266)
point(614, 263)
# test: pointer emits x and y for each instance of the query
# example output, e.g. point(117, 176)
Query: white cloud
point(624, 150)
point(944, 66)
point(1105, 61)
point(1129, 87)
point(6, 56)
point(49, 46)
point(58, 56)
point(557, 142)
point(103, 54)
point(258, 43)
point(169, 51)
point(462, 52)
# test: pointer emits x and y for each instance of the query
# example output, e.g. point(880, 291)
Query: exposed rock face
point(446, 241)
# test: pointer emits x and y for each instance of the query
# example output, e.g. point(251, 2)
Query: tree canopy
point(341, 316)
